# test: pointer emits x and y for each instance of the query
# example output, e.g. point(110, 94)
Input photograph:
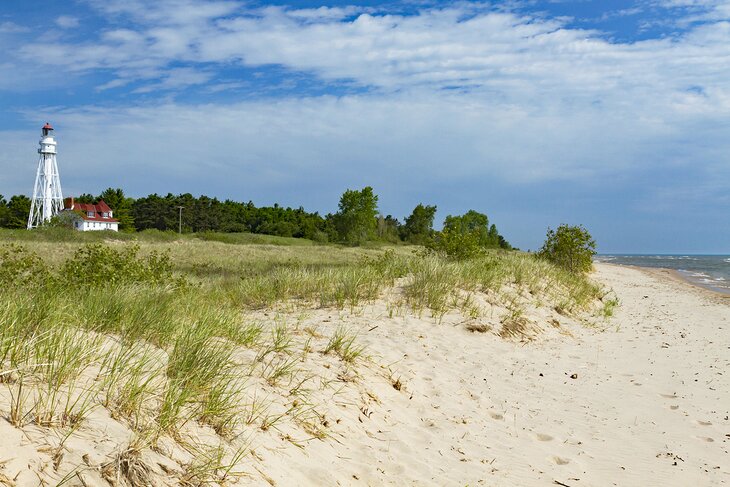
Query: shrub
point(100, 264)
point(457, 245)
point(569, 247)
point(320, 237)
point(18, 266)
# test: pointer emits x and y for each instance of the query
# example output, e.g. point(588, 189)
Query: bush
point(458, 245)
point(569, 247)
point(97, 264)
point(320, 237)
point(18, 266)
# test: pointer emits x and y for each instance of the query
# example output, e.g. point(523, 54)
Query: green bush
point(19, 267)
point(457, 245)
point(96, 264)
point(569, 247)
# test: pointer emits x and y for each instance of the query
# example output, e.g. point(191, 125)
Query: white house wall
point(86, 226)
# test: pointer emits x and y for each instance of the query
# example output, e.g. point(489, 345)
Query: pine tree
point(121, 206)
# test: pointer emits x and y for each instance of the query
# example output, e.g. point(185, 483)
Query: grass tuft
point(343, 344)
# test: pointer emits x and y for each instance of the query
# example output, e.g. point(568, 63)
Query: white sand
point(649, 406)
point(653, 388)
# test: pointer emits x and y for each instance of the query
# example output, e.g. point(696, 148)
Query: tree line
point(357, 220)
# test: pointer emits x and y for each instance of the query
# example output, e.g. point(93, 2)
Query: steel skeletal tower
point(47, 197)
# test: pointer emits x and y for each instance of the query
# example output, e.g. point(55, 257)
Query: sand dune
point(640, 399)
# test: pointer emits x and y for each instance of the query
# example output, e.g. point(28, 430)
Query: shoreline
point(673, 275)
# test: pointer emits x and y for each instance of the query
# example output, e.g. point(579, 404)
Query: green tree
point(388, 228)
point(4, 212)
point(85, 198)
point(356, 219)
point(154, 211)
point(18, 209)
point(121, 206)
point(465, 236)
point(418, 228)
point(457, 245)
point(570, 247)
point(477, 223)
point(471, 222)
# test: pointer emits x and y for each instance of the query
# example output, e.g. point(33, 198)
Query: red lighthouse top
point(47, 128)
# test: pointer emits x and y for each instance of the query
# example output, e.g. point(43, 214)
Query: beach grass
point(156, 328)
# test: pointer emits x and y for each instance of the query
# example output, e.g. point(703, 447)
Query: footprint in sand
point(561, 460)
point(542, 437)
point(673, 408)
point(707, 439)
point(496, 415)
point(669, 396)
point(704, 423)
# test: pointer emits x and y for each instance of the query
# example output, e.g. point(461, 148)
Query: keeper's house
point(87, 217)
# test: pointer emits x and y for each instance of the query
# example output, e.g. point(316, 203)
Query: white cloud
point(512, 56)
point(699, 10)
point(176, 78)
point(451, 137)
point(67, 22)
point(12, 28)
point(167, 12)
point(326, 13)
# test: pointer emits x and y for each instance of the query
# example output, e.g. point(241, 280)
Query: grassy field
point(156, 329)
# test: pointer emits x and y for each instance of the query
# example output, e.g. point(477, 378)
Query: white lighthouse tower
point(47, 197)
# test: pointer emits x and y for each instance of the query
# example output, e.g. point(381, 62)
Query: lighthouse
point(47, 197)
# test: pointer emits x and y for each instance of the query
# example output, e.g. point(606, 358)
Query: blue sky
point(613, 114)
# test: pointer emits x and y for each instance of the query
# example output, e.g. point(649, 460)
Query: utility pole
point(179, 225)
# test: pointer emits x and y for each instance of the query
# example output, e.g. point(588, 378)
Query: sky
point(610, 114)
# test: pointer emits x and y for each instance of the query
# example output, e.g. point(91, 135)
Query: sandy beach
point(648, 404)
point(641, 398)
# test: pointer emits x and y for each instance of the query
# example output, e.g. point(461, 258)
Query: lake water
point(710, 271)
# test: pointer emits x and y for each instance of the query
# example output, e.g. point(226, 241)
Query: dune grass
point(154, 330)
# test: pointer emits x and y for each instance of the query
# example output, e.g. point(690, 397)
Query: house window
point(106, 215)
point(90, 214)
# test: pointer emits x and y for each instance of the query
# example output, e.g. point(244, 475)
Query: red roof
point(48, 126)
point(97, 211)
point(102, 207)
